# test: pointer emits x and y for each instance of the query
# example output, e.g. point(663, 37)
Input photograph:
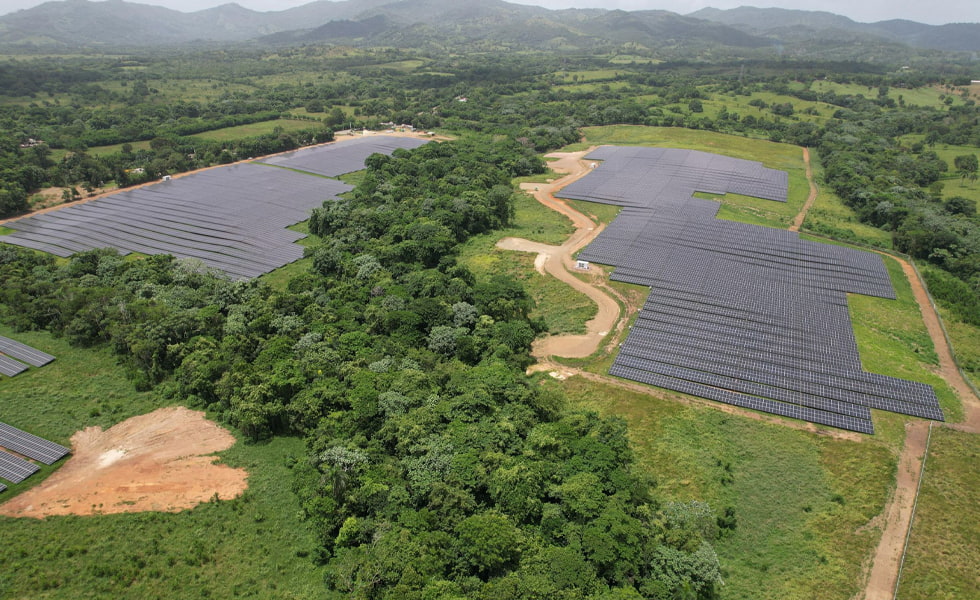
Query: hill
point(792, 25)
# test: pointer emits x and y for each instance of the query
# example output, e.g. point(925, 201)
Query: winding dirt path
point(557, 262)
point(798, 221)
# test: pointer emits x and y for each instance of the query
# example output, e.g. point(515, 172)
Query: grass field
point(953, 183)
point(921, 96)
point(252, 546)
point(254, 129)
point(803, 502)
point(563, 309)
point(943, 559)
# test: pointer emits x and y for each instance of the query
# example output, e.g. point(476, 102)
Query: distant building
point(582, 264)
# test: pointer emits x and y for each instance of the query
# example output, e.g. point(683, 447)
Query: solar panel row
point(14, 468)
point(337, 159)
point(738, 313)
point(231, 218)
point(30, 445)
point(11, 367)
point(24, 353)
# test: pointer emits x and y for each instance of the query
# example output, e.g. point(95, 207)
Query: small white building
point(582, 264)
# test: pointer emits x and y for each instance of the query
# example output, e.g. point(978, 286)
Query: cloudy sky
point(935, 12)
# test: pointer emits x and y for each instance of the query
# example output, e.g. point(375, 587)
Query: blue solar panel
point(738, 313)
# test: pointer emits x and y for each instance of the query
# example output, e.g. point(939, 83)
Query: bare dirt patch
point(153, 462)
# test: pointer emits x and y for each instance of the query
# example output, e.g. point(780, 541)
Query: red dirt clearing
point(156, 461)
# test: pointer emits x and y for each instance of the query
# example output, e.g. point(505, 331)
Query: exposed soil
point(157, 462)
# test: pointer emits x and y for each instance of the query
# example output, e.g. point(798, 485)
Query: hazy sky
point(935, 12)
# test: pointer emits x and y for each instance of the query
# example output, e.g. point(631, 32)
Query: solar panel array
point(30, 445)
point(231, 218)
point(12, 349)
point(337, 159)
point(747, 315)
point(11, 367)
point(14, 468)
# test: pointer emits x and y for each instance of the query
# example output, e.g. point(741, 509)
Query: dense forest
point(435, 468)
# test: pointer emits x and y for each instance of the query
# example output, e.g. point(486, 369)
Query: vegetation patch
point(942, 559)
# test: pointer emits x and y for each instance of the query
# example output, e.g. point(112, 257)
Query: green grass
point(802, 501)
point(587, 76)
point(943, 557)
point(116, 148)
point(735, 103)
point(953, 183)
point(252, 546)
point(279, 278)
point(254, 129)
point(966, 342)
point(829, 216)
point(921, 96)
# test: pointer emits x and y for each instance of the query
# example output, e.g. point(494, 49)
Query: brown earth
point(158, 461)
point(798, 221)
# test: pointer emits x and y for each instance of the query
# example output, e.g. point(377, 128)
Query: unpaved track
point(798, 221)
point(557, 262)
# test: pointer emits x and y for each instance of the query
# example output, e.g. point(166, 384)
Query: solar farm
point(746, 315)
point(231, 218)
point(14, 360)
point(338, 159)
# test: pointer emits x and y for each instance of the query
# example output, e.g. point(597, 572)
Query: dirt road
point(798, 221)
point(557, 261)
point(898, 513)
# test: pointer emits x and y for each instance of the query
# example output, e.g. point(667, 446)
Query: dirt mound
point(154, 462)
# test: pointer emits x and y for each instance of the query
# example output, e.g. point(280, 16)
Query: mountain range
point(453, 23)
